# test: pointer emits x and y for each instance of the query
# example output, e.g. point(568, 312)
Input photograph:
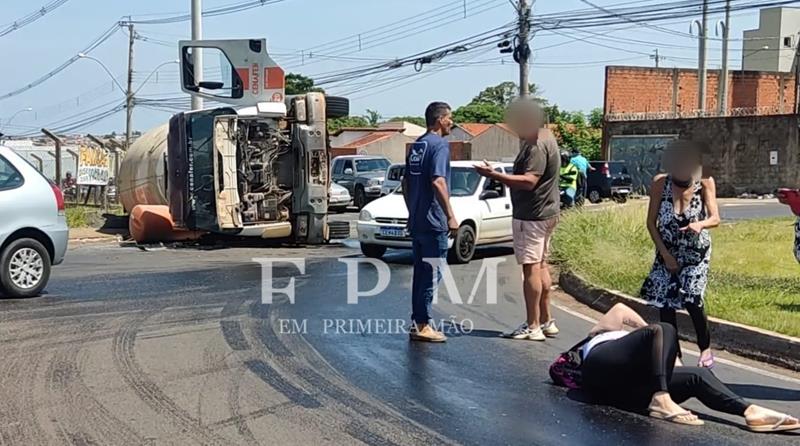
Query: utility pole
point(701, 97)
point(722, 99)
point(656, 57)
point(523, 49)
point(129, 91)
point(197, 53)
point(797, 74)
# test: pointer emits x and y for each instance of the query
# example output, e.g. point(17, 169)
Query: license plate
point(393, 232)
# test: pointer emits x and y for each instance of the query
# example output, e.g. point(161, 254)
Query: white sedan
point(481, 206)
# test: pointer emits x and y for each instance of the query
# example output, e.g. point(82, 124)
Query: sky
point(568, 67)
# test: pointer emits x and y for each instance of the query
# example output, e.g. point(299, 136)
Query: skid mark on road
point(232, 332)
point(149, 392)
point(17, 377)
point(270, 376)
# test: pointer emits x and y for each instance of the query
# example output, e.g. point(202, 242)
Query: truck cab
point(257, 165)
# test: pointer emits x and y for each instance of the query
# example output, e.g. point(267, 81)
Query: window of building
point(787, 42)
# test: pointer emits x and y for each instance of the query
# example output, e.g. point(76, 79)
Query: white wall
point(764, 48)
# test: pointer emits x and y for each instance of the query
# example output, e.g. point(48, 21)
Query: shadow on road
point(758, 392)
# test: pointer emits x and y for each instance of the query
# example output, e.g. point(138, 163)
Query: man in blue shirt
point(584, 167)
point(430, 217)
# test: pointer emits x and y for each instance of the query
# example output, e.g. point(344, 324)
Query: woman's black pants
point(699, 320)
point(628, 371)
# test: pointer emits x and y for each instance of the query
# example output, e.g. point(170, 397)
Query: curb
point(750, 342)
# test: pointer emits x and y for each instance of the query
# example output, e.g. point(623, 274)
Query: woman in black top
point(637, 370)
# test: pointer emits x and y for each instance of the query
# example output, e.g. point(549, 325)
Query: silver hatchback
point(33, 227)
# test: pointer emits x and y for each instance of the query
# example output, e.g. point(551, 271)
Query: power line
point(31, 17)
point(213, 12)
point(86, 50)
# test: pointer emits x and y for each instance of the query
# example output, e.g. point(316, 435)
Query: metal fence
point(652, 116)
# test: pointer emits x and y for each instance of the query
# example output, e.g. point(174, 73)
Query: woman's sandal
point(678, 418)
point(706, 361)
point(780, 426)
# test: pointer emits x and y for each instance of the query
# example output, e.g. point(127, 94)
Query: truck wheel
point(463, 246)
point(594, 196)
point(373, 251)
point(361, 198)
point(336, 107)
point(24, 268)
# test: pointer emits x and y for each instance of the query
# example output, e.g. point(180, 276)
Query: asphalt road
point(752, 209)
point(176, 347)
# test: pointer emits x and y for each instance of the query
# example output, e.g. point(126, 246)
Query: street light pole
point(99, 62)
point(26, 109)
point(703, 42)
point(197, 53)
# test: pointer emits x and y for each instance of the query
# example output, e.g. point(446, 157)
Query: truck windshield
point(372, 165)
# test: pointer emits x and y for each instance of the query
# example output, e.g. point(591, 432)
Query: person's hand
point(452, 226)
point(671, 264)
point(695, 226)
point(484, 169)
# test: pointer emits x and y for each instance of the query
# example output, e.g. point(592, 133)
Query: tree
point(573, 132)
point(299, 84)
point(334, 125)
point(481, 112)
point(416, 120)
point(373, 117)
point(596, 118)
point(503, 93)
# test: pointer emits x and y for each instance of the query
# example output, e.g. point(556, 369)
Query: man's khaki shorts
point(532, 240)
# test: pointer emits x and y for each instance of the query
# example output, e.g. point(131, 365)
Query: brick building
point(638, 93)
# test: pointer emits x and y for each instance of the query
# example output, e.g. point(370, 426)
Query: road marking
point(696, 353)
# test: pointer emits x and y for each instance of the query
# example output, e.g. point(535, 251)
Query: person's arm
point(616, 318)
point(441, 163)
point(712, 208)
point(526, 181)
point(656, 189)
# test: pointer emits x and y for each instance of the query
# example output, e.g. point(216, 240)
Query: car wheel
point(463, 246)
point(361, 198)
point(336, 107)
point(25, 267)
point(621, 199)
point(594, 196)
point(373, 251)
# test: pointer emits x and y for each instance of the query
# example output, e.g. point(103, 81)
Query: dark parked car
point(361, 175)
point(610, 179)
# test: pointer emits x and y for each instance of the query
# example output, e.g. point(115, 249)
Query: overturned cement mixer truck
point(257, 170)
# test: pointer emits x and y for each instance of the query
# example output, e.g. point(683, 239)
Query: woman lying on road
point(637, 369)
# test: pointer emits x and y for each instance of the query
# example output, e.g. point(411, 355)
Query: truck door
point(238, 72)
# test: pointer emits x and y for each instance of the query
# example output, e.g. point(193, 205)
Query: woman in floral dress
point(795, 205)
point(683, 207)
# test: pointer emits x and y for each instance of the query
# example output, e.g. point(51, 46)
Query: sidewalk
point(89, 235)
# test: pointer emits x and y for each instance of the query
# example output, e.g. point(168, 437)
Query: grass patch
point(754, 279)
point(80, 216)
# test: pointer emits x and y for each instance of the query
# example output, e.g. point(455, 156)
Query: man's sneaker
point(549, 329)
point(525, 332)
point(427, 334)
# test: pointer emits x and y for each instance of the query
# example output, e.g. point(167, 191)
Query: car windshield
point(395, 173)
point(463, 182)
point(618, 168)
point(372, 165)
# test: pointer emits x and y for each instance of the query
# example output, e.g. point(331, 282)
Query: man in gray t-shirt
point(536, 200)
